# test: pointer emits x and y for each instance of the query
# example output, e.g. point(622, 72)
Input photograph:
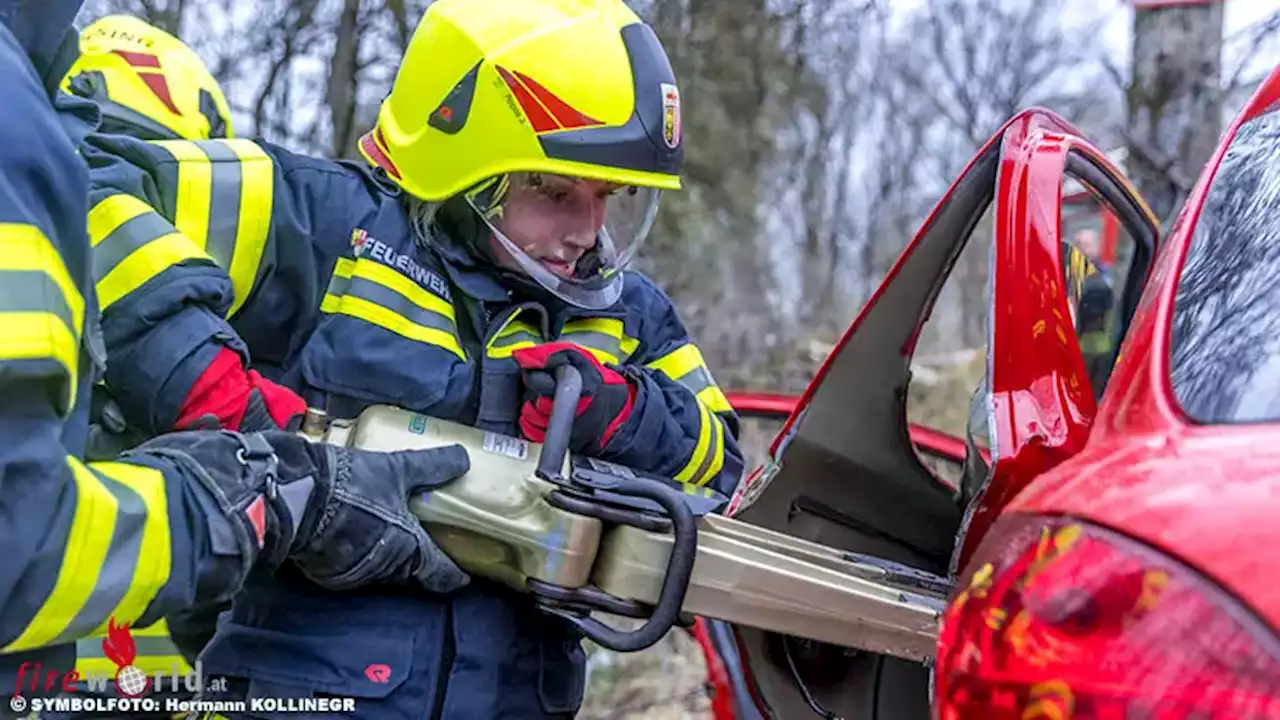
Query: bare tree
point(964, 67)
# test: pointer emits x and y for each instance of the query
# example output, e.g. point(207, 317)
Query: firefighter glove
point(341, 515)
point(226, 395)
point(608, 395)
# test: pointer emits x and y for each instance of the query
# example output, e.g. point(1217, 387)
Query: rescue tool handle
point(565, 406)
point(684, 550)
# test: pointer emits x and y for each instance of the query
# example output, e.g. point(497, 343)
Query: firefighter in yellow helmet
point(514, 171)
point(147, 83)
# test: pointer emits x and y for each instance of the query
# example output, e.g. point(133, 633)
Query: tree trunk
point(340, 94)
point(1175, 100)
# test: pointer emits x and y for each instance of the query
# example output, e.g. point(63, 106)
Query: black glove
point(109, 433)
point(341, 515)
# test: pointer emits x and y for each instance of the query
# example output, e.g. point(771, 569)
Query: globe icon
point(131, 680)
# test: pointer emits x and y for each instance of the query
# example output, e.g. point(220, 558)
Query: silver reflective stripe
point(224, 202)
point(697, 379)
point(398, 304)
point(710, 457)
point(34, 291)
point(338, 285)
point(123, 557)
point(597, 341)
point(124, 240)
point(91, 647)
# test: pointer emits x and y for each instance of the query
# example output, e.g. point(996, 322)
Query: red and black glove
point(228, 396)
point(607, 395)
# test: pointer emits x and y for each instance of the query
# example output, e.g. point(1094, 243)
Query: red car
point(1111, 551)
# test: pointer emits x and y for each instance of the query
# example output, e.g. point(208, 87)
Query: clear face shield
point(572, 235)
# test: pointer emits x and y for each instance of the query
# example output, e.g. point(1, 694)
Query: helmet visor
point(572, 235)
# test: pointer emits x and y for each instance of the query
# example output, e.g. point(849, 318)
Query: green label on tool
point(418, 424)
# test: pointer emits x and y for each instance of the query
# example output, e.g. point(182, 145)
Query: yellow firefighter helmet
point(147, 82)
point(490, 92)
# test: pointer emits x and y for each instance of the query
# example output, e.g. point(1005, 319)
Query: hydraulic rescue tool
point(583, 535)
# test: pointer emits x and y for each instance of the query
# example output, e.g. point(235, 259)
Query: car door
point(845, 472)
point(1050, 365)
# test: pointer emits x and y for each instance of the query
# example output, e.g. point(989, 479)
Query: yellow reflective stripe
point(678, 362)
point(714, 398)
point(690, 472)
point(602, 337)
point(377, 315)
point(132, 243)
point(257, 173)
point(86, 550)
point(602, 356)
point(686, 366)
point(145, 263)
point(25, 248)
point(512, 336)
point(195, 186)
point(225, 192)
point(149, 664)
point(385, 298)
point(415, 293)
point(717, 451)
point(41, 308)
point(41, 335)
point(154, 558)
point(112, 212)
point(337, 284)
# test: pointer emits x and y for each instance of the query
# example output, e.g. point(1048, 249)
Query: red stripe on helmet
point(139, 60)
point(160, 87)
point(372, 143)
point(539, 118)
point(568, 116)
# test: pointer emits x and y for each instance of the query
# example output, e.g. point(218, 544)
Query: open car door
point(763, 414)
point(844, 471)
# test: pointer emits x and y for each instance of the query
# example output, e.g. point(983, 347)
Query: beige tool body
point(585, 536)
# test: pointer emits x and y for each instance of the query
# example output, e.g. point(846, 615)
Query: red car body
point(1145, 556)
point(1113, 555)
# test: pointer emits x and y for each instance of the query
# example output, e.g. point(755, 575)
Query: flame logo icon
point(118, 646)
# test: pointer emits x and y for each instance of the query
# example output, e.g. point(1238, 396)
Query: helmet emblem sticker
point(670, 115)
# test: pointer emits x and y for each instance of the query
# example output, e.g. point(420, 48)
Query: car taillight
point(1057, 619)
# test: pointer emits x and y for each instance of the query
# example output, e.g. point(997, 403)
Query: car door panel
point(1042, 403)
point(846, 471)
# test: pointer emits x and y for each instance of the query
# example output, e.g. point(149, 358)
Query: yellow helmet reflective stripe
point(570, 87)
point(147, 82)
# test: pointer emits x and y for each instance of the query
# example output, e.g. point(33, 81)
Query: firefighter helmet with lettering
point(494, 97)
point(147, 82)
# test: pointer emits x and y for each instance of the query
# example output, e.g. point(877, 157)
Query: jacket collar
point(474, 277)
